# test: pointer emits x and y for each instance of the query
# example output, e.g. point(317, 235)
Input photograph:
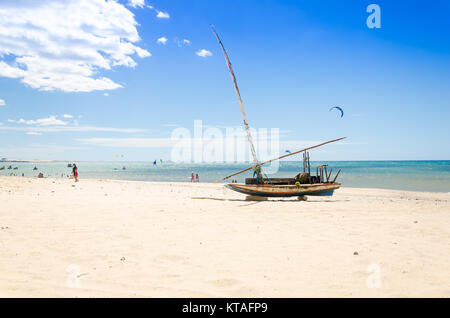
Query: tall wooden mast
point(256, 164)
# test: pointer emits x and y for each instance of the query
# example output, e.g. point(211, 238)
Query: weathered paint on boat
point(268, 190)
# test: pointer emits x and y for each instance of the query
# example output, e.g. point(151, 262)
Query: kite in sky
point(338, 108)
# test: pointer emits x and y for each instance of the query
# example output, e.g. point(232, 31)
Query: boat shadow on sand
point(272, 200)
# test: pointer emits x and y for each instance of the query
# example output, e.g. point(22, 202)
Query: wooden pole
point(291, 154)
point(236, 88)
point(336, 176)
point(304, 162)
point(309, 164)
point(303, 150)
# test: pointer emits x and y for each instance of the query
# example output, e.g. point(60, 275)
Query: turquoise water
point(433, 176)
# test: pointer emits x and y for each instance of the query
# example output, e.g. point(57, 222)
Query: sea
point(428, 176)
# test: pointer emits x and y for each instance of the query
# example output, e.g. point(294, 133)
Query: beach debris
point(355, 253)
point(123, 259)
point(416, 222)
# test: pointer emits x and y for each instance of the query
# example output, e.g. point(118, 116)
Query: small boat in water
point(35, 168)
point(69, 165)
point(303, 184)
point(10, 167)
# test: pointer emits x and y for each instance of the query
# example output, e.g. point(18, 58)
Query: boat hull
point(267, 190)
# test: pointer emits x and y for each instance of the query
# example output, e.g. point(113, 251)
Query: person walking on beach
point(75, 172)
point(192, 177)
point(197, 178)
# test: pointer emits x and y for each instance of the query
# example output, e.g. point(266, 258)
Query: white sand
point(134, 239)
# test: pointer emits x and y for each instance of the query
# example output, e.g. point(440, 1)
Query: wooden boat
point(268, 190)
point(303, 184)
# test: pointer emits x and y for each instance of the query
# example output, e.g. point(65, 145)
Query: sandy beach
point(102, 238)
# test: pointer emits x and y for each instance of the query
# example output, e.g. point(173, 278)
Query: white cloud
point(34, 133)
point(159, 14)
point(67, 116)
point(2, 102)
point(71, 128)
point(129, 142)
point(49, 121)
point(187, 42)
point(162, 40)
point(106, 94)
point(136, 3)
point(7, 70)
point(37, 151)
point(62, 44)
point(204, 53)
point(163, 15)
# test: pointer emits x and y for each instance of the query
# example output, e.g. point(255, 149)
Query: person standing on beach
point(192, 177)
point(75, 172)
point(197, 178)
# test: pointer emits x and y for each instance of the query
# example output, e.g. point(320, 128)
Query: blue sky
point(294, 60)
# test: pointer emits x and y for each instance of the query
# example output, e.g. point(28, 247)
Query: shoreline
point(105, 238)
point(200, 183)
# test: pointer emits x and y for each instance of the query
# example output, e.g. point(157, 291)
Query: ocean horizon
point(411, 175)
